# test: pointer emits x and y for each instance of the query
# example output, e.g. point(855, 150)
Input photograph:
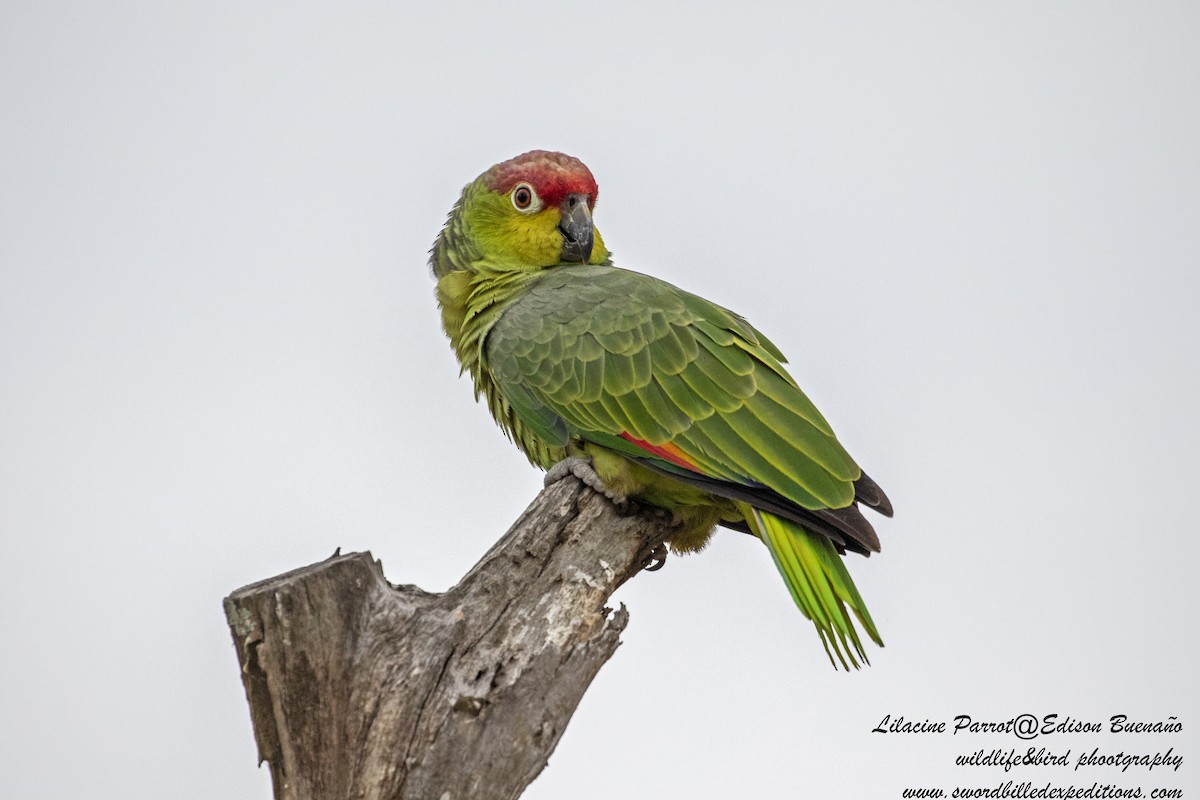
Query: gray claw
point(581, 468)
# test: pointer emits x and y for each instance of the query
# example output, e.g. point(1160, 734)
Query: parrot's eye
point(525, 199)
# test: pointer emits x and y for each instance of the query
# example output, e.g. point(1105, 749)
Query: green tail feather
point(819, 583)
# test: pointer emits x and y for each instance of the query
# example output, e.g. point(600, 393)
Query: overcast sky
point(974, 229)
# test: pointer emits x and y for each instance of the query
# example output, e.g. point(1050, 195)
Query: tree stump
point(362, 689)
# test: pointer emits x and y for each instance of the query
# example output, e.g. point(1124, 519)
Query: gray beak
point(576, 229)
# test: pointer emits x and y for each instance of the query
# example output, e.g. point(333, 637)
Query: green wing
point(634, 364)
point(690, 389)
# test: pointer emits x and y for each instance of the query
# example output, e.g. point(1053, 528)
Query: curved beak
point(576, 229)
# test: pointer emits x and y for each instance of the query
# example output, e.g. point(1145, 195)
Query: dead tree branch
point(361, 689)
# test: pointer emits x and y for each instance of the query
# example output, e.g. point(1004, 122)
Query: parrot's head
point(528, 213)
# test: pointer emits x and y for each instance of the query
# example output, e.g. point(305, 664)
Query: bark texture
point(362, 689)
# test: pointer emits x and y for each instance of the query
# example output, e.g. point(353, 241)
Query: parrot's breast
point(472, 302)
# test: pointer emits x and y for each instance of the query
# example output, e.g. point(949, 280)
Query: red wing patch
point(667, 452)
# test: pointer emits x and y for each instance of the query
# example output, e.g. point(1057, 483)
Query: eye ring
point(525, 199)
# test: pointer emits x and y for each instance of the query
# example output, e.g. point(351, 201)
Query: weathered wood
point(361, 689)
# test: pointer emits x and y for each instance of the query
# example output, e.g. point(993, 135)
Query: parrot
point(646, 392)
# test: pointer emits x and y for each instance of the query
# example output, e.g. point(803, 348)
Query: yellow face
point(516, 230)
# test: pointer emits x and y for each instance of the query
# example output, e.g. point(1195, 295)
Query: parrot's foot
point(658, 557)
point(581, 468)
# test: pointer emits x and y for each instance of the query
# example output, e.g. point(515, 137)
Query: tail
point(819, 583)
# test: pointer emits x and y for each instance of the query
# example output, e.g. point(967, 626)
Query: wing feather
point(607, 352)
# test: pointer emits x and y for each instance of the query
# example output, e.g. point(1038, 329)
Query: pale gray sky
point(974, 229)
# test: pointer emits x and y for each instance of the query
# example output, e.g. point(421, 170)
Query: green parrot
point(645, 391)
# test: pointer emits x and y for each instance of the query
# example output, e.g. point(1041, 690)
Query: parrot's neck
point(471, 301)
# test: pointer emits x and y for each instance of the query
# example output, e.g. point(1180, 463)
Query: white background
point(974, 228)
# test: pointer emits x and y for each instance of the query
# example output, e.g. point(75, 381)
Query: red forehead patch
point(552, 175)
